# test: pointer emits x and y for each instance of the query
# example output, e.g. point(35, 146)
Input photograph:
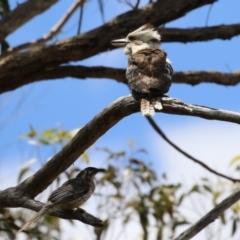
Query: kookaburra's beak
point(119, 42)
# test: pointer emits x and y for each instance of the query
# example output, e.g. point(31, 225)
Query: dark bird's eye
point(132, 38)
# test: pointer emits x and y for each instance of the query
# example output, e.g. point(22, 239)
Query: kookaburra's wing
point(149, 73)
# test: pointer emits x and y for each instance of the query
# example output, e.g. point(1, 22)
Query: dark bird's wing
point(149, 74)
point(69, 191)
point(70, 195)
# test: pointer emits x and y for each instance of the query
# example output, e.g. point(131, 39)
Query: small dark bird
point(72, 194)
point(149, 71)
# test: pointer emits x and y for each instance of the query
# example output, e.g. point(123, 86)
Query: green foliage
point(10, 221)
point(235, 160)
point(7, 225)
point(140, 193)
point(134, 192)
point(22, 174)
point(48, 137)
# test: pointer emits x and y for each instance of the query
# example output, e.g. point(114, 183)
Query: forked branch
point(22, 14)
point(20, 195)
point(100, 124)
point(55, 29)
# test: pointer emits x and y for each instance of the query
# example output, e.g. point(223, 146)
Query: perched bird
point(149, 71)
point(70, 195)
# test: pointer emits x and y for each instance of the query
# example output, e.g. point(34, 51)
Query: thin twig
point(208, 14)
point(101, 8)
point(209, 217)
point(162, 134)
point(56, 29)
point(80, 20)
point(137, 4)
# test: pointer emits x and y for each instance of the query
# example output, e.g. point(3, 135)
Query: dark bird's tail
point(45, 210)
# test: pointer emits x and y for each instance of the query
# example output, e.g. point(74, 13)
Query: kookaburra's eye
point(154, 40)
point(132, 38)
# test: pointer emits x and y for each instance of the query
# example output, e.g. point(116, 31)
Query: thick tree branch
point(22, 194)
point(17, 199)
point(199, 34)
point(19, 66)
point(22, 14)
point(117, 74)
point(188, 77)
point(82, 72)
point(55, 29)
point(201, 163)
point(197, 77)
point(100, 124)
point(209, 217)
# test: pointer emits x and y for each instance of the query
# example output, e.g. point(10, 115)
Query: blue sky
point(73, 102)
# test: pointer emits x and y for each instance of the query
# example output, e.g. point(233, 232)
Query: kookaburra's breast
point(148, 74)
point(150, 62)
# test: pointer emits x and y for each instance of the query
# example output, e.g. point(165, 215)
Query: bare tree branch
point(26, 64)
point(209, 217)
point(47, 62)
point(17, 199)
point(118, 74)
point(56, 29)
point(81, 72)
point(197, 77)
point(201, 163)
point(100, 124)
point(22, 14)
point(199, 34)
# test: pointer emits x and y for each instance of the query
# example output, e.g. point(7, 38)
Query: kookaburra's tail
point(44, 211)
point(148, 107)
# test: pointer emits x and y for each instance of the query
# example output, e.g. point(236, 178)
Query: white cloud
point(215, 143)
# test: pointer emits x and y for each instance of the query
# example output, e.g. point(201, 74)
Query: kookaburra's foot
point(157, 104)
point(147, 107)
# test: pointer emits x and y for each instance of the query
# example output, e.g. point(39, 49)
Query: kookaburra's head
point(146, 34)
point(89, 172)
point(135, 46)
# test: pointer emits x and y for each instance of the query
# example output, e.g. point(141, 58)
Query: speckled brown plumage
point(147, 74)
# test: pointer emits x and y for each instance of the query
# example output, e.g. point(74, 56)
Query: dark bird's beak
point(120, 42)
point(98, 170)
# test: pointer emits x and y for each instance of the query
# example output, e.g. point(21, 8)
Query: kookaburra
point(72, 194)
point(149, 71)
